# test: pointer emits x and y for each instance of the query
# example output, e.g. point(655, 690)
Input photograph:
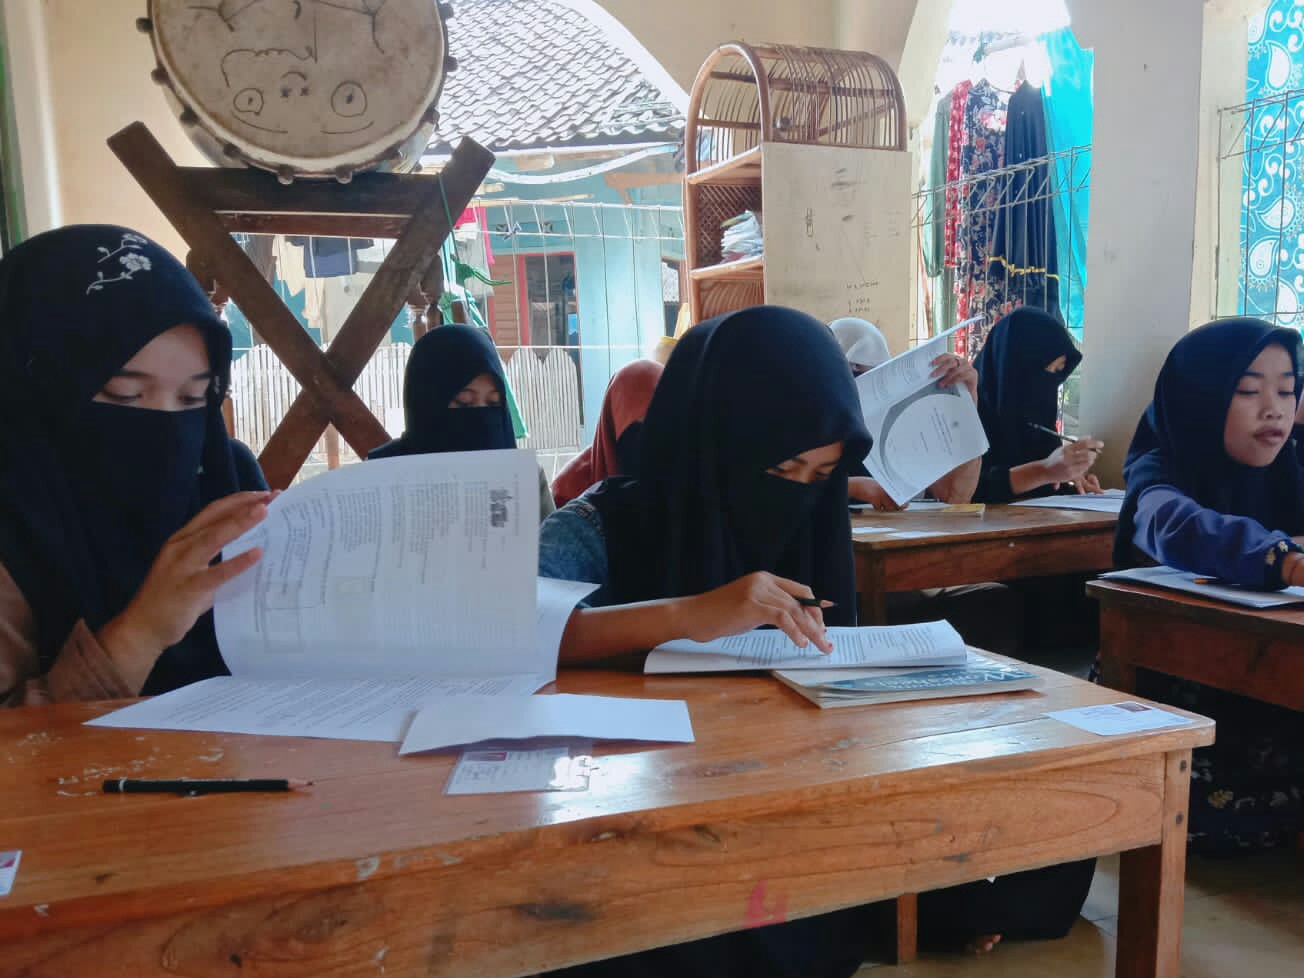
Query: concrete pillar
point(1143, 190)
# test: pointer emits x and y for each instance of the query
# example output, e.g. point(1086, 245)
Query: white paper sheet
point(927, 644)
point(8, 870)
point(920, 431)
point(1176, 580)
point(397, 567)
point(492, 769)
point(334, 709)
point(1109, 501)
point(1118, 718)
point(470, 719)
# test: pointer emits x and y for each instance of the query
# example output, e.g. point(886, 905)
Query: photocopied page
point(1178, 580)
point(417, 565)
point(469, 720)
point(926, 644)
point(335, 709)
point(1109, 501)
point(920, 431)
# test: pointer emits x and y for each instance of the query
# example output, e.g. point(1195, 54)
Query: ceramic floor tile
point(1231, 937)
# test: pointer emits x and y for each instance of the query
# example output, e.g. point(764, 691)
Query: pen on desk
point(816, 603)
point(1069, 439)
point(199, 786)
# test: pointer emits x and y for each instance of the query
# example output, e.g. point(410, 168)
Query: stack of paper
point(400, 587)
point(858, 687)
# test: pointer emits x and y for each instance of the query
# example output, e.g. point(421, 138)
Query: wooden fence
point(544, 380)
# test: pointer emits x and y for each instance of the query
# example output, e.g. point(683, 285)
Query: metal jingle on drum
point(303, 88)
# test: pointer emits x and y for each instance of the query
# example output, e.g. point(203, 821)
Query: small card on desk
point(491, 769)
point(8, 870)
point(1110, 719)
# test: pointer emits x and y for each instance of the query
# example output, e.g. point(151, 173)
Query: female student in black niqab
point(1027, 357)
point(739, 508)
point(454, 400)
point(118, 483)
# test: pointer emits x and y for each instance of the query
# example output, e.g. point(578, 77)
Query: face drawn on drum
point(276, 89)
point(349, 84)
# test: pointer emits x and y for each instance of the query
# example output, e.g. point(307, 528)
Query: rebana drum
point(304, 88)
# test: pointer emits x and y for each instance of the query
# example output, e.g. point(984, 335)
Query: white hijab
point(861, 341)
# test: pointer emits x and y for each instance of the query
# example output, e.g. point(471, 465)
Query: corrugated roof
point(538, 74)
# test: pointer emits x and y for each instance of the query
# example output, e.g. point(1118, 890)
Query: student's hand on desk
point(1071, 462)
point(950, 369)
point(755, 600)
point(862, 489)
point(183, 580)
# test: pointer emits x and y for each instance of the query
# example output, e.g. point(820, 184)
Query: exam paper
point(471, 719)
point(927, 644)
point(1109, 501)
point(397, 567)
point(334, 709)
point(1118, 718)
point(920, 431)
point(1177, 580)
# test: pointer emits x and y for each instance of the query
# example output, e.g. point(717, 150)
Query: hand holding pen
point(1071, 461)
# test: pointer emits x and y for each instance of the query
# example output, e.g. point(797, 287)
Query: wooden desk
point(1255, 653)
point(1006, 543)
point(779, 811)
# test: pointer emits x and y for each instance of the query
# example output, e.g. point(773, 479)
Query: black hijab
point(443, 362)
point(740, 394)
point(1014, 389)
point(1179, 440)
point(91, 491)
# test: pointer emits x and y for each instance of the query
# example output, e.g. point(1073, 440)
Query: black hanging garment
point(1023, 251)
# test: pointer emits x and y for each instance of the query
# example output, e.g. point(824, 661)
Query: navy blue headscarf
point(1179, 440)
point(741, 393)
point(1014, 389)
point(443, 362)
point(89, 491)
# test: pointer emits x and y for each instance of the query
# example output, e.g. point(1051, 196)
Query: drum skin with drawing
point(304, 88)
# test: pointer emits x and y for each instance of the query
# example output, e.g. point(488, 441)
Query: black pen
point(199, 786)
point(815, 603)
point(1069, 439)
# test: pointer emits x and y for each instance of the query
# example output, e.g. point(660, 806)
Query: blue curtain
point(1069, 123)
point(1272, 216)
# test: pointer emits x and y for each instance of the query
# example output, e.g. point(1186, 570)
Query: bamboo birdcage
point(747, 95)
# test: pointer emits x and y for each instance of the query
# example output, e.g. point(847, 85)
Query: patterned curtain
point(1272, 216)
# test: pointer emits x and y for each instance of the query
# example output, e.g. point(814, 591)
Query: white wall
point(26, 49)
point(1143, 189)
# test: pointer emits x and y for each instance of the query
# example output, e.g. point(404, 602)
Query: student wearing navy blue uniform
point(1215, 486)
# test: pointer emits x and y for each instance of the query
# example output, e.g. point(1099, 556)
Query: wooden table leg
point(1115, 671)
point(871, 599)
point(907, 928)
point(1151, 885)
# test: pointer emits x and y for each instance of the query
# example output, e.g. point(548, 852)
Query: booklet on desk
point(382, 586)
point(931, 643)
point(978, 676)
point(1178, 580)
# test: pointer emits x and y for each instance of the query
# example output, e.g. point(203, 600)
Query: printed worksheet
point(397, 567)
point(928, 644)
point(920, 431)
